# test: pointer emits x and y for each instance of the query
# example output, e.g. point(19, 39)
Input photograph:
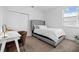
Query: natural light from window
point(71, 16)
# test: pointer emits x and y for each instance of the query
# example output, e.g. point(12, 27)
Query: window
point(71, 16)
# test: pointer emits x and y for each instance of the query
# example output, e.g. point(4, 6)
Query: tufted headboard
point(36, 22)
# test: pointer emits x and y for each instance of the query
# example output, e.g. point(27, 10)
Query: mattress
point(52, 33)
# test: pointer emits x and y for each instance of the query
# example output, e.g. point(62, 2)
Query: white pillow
point(36, 27)
point(42, 26)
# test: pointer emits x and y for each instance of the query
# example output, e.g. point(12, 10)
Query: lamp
point(4, 30)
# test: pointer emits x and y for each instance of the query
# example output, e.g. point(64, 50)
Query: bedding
point(52, 33)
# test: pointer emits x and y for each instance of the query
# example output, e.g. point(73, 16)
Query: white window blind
point(71, 16)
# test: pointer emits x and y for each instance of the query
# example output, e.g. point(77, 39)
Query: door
point(17, 21)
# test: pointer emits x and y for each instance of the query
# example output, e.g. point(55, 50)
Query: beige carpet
point(35, 45)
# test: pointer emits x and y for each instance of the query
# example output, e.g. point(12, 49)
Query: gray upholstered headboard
point(36, 22)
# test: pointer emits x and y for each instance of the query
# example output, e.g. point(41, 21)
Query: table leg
point(17, 45)
point(3, 46)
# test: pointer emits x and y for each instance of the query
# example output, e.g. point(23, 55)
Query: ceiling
point(44, 8)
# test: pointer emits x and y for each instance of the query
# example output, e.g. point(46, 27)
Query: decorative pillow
point(36, 27)
point(42, 26)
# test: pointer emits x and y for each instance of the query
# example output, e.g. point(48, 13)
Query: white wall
point(1, 16)
point(34, 14)
point(54, 19)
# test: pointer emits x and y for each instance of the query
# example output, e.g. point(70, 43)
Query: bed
point(51, 36)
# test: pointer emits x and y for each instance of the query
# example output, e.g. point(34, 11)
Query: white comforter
point(53, 33)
